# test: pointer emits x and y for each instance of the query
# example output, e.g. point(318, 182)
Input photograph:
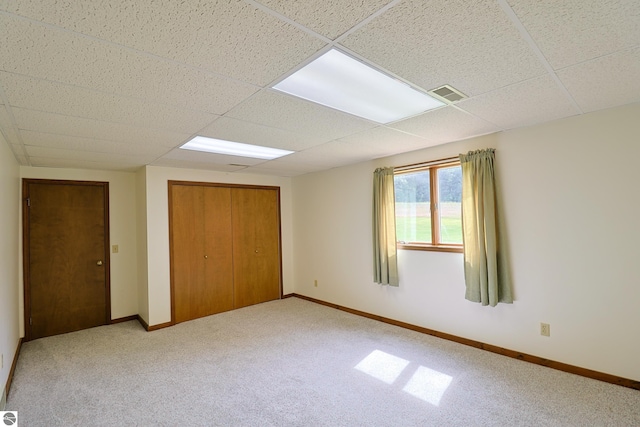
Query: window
point(428, 206)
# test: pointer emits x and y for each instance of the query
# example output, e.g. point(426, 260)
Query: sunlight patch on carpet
point(425, 384)
point(383, 366)
point(428, 385)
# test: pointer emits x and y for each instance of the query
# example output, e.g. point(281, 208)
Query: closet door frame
point(170, 185)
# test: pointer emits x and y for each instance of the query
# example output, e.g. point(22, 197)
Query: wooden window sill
point(429, 248)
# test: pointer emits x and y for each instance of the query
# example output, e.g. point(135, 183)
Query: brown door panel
point(66, 256)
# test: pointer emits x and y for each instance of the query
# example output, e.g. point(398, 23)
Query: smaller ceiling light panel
point(220, 146)
point(339, 81)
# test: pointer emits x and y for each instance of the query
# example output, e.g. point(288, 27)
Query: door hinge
point(30, 321)
point(29, 202)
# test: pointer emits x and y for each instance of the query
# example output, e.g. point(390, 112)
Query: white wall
point(141, 241)
point(571, 202)
point(122, 224)
point(158, 229)
point(9, 263)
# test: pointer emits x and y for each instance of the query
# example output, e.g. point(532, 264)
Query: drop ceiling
point(117, 85)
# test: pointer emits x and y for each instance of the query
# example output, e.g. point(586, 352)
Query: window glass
point(428, 206)
point(449, 204)
point(413, 208)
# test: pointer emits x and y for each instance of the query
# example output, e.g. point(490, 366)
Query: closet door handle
point(206, 257)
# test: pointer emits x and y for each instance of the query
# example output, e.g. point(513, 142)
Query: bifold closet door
point(201, 251)
point(256, 245)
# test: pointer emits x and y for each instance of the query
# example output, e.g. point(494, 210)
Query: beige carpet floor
point(295, 363)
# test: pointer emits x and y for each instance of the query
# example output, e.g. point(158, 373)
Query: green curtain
point(485, 264)
point(385, 263)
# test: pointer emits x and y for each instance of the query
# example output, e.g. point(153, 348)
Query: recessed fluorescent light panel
point(219, 146)
point(339, 81)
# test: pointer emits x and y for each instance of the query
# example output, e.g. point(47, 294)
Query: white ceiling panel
point(286, 112)
point(445, 124)
point(52, 54)
point(383, 141)
point(232, 38)
point(573, 31)
point(470, 45)
point(195, 164)
point(321, 16)
point(287, 167)
point(522, 104)
point(605, 82)
point(7, 127)
point(43, 95)
point(88, 128)
point(86, 156)
point(52, 140)
point(332, 154)
point(61, 162)
point(236, 130)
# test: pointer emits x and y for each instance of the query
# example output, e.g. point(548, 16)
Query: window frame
point(432, 167)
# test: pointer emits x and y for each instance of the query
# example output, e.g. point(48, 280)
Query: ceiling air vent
point(447, 93)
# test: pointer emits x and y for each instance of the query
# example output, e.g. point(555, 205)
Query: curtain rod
point(426, 164)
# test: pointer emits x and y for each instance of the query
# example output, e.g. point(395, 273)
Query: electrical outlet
point(114, 249)
point(315, 283)
point(545, 329)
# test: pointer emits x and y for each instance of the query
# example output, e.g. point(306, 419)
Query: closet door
point(200, 251)
point(218, 252)
point(256, 245)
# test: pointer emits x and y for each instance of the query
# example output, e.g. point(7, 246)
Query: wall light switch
point(114, 249)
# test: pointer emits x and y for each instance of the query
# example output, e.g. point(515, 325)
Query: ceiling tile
point(51, 140)
point(322, 16)
point(235, 130)
point(81, 156)
point(60, 56)
point(287, 167)
point(286, 112)
point(383, 141)
point(194, 164)
point(18, 151)
point(7, 128)
point(445, 125)
point(522, 104)
point(571, 31)
point(604, 82)
point(85, 164)
point(88, 128)
point(43, 95)
point(471, 45)
point(329, 155)
point(273, 172)
point(232, 38)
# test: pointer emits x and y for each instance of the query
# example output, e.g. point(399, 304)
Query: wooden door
point(201, 255)
point(66, 241)
point(256, 245)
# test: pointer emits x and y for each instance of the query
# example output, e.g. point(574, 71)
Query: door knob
point(99, 262)
point(206, 257)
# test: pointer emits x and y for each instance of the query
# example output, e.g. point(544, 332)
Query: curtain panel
point(485, 263)
point(385, 262)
